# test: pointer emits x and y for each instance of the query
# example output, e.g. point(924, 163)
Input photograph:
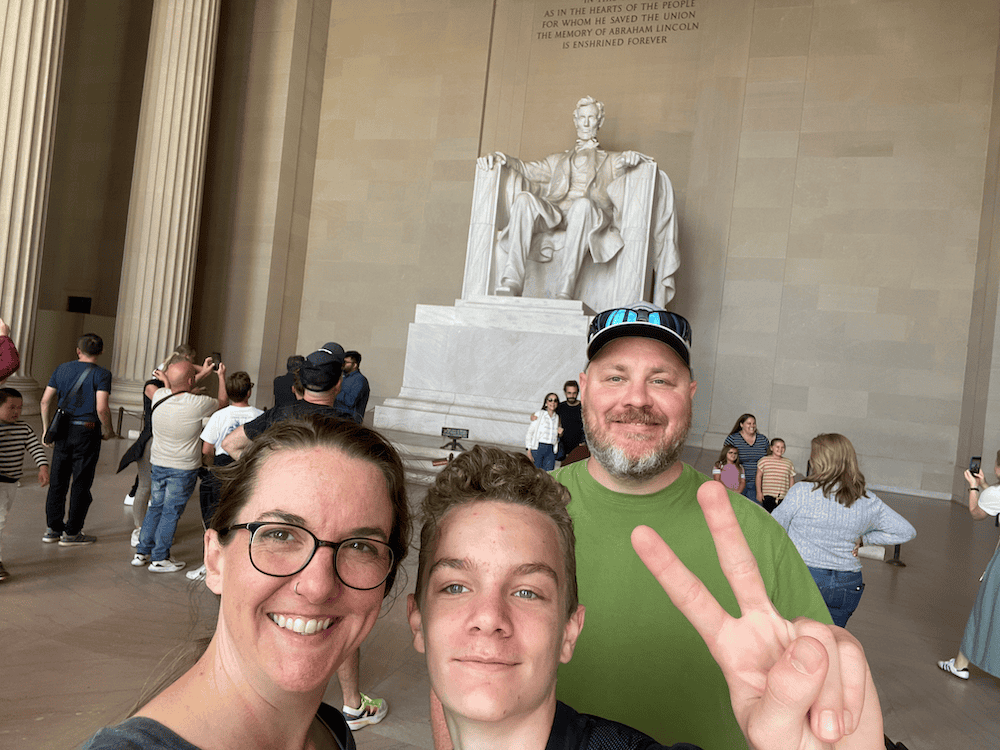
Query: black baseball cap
point(321, 369)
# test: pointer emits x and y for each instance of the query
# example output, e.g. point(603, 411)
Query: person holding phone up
point(981, 641)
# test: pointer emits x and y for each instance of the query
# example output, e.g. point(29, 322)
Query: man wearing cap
point(637, 393)
point(320, 377)
point(319, 374)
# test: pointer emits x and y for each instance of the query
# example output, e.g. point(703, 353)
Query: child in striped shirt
point(775, 474)
point(16, 437)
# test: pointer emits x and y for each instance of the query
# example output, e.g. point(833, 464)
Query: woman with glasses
point(543, 434)
point(311, 527)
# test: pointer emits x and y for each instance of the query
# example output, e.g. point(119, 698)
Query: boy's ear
point(416, 623)
point(571, 632)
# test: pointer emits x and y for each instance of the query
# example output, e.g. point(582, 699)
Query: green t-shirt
point(638, 660)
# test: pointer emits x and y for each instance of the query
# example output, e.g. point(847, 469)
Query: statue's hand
point(487, 162)
point(630, 159)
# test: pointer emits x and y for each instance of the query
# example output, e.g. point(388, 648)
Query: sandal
point(371, 711)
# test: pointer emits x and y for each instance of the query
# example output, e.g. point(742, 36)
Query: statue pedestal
point(485, 365)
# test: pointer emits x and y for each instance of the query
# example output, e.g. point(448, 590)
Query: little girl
point(774, 475)
point(729, 470)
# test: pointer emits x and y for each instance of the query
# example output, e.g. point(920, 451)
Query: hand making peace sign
point(794, 685)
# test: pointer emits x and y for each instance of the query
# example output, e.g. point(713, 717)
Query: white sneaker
point(198, 574)
point(949, 666)
point(140, 560)
point(130, 500)
point(170, 565)
point(371, 711)
point(135, 537)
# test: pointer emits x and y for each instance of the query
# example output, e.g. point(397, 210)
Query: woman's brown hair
point(834, 470)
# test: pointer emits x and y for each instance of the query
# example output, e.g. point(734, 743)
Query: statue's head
point(588, 117)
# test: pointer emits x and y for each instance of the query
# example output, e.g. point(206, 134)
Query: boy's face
point(493, 621)
point(10, 410)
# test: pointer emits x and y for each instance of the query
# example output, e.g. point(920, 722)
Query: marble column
point(30, 63)
point(154, 304)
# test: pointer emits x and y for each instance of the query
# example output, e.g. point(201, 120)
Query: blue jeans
point(168, 498)
point(545, 456)
point(841, 590)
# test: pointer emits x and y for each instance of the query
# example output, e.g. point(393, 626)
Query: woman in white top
point(827, 513)
point(981, 642)
point(543, 434)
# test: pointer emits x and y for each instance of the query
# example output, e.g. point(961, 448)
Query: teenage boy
point(495, 610)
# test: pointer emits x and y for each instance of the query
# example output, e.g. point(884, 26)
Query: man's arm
point(9, 358)
point(347, 399)
point(223, 393)
point(49, 396)
point(203, 370)
point(236, 442)
point(104, 414)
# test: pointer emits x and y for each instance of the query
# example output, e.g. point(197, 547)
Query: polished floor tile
point(83, 631)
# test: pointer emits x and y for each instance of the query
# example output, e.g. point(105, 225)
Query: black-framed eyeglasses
point(284, 549)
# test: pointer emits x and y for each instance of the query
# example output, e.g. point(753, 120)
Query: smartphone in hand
point(975, 464)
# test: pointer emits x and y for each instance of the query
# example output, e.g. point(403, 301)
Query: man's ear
point(214, 560)
point(416, 623)
point(571, 632)
point(582, 379)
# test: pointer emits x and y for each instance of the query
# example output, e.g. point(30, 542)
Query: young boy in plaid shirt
point(16, 437)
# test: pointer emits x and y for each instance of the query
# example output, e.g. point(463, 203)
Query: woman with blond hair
point(827, 513)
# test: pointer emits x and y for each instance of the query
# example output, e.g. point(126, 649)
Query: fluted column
point(154, 302)
point(30, 64)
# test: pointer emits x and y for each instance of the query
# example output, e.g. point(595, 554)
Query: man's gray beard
point(619, 465)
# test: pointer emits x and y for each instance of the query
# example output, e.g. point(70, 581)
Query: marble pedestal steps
point(485, 365)
point(420, 452)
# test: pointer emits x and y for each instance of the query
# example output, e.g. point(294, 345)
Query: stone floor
point(82, 630)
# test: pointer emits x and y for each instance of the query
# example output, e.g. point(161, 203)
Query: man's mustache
point(637, 416)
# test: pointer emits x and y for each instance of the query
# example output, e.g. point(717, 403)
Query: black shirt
point(299, 409)
point(575, 731)
point(283, 393)
point(571, 420)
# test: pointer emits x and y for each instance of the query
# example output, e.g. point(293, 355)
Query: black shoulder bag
point(60, 420)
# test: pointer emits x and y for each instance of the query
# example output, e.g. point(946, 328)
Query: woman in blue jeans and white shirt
point(542, 439)
point(827, 514)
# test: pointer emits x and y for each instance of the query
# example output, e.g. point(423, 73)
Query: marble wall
point(835, 165)
point(398, 138)
point(828, 159)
